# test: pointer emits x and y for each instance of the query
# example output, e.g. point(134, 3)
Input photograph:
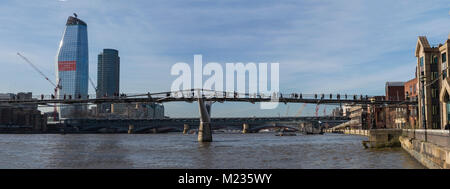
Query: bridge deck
point(193, 99)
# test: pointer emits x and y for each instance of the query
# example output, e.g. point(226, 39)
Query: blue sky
point(330, 46)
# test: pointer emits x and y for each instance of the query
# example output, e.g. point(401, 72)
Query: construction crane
point(300, 110)
point(57, 86)
point(93, 85)
point(317, 110)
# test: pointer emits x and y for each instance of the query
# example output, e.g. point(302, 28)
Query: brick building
point(411, 92)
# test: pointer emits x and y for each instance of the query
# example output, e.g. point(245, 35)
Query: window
point(434, 110)
point(434, 75)
point(421, 61)
point(444, 57)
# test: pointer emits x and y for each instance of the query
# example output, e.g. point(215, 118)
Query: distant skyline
point(351, 47)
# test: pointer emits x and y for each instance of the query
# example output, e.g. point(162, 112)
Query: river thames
point(175, 150)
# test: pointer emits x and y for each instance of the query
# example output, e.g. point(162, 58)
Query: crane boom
point(92, 83)
point(57, 86)
point(37, 69)
point(300, 110)
point(317, 110)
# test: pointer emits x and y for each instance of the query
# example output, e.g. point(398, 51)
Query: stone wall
point(429, 147)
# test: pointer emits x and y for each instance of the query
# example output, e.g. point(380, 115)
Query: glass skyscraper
point(108, 73)
point(73, 66)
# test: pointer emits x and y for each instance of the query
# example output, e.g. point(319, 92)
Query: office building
point(108, 76)
point(139, 110)
point(73, 66)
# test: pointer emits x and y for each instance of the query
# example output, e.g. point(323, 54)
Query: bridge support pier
point(185, 129)
point(130, 129)
point(245, 128)
point(204, 129)
point(204, 132)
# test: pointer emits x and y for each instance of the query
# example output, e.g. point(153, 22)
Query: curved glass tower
point(73, 66)
point(108, 72)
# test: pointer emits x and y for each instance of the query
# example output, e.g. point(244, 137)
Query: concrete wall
point(429, 147)
point(378, 138)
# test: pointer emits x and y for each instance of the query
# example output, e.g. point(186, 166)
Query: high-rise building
point(108, 76)
point(73, 66)
point(108, 73)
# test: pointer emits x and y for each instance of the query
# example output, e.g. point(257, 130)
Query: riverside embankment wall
point(430, 147)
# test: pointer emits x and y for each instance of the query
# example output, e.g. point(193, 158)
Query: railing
point(192, 94)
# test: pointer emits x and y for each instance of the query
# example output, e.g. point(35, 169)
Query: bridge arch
point(259, 128)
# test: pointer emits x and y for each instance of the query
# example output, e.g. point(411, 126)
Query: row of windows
point(435, 125)
point(434, 110)
point(434, 60)
point(434, 93)
point(434, 75)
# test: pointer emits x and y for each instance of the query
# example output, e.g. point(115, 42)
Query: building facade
point(395, 91)
point(108, 76)
point(72, 66)
point(108, 73)
point(376, 115)
point(138, 110)
point(358, 116)
point(429, 80)
point(24, 117)
point(411, 92)
point(442, 57)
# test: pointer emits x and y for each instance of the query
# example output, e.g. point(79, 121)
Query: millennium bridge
point(206, 98)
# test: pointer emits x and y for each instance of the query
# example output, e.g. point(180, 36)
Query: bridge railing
point(203, 93)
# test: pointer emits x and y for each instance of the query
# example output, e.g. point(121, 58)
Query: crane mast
point(300, 110)
point(93, 85)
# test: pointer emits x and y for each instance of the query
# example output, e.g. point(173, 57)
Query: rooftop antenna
point(75, 14)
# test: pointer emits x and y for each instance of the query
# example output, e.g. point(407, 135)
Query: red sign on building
point(67, 65)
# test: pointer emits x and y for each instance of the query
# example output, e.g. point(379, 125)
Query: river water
point(175, 150)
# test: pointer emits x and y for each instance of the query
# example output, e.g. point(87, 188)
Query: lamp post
point(424, 122)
